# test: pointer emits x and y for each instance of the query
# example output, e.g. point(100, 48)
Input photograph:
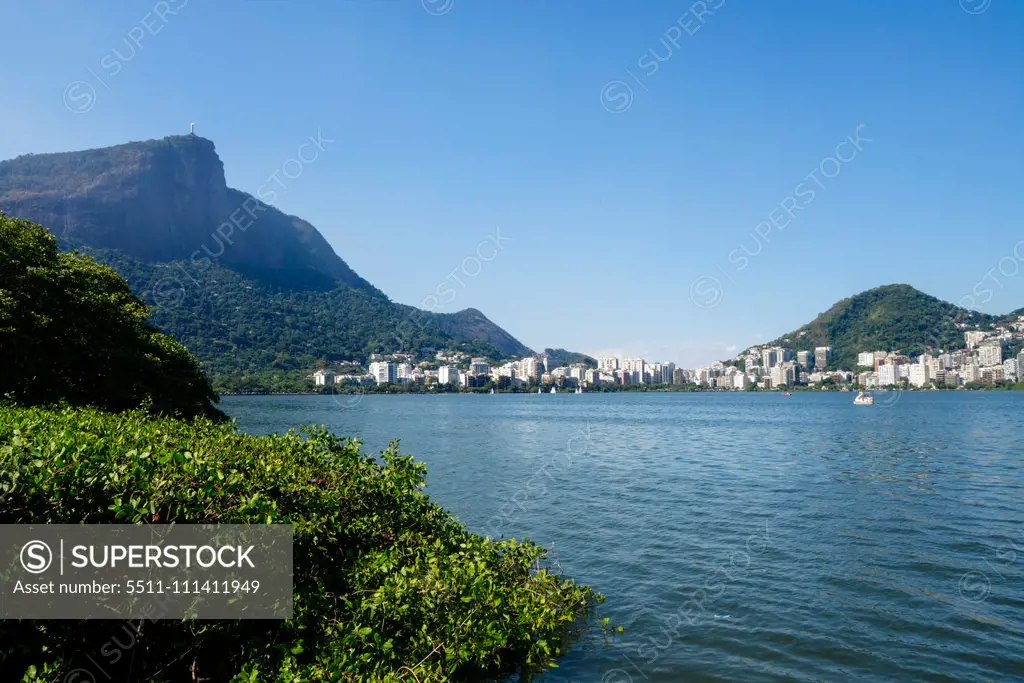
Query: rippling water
point(739, 537)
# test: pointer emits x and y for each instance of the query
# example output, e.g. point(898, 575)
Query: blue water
point(739, 537)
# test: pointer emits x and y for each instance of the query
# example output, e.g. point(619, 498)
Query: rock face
point(164, 200)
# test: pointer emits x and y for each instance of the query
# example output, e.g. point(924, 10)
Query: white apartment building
point(636, 367)
point(403, 372)
point(448, 374)
point(919, 375)
point(740, 381)
point(1011, 369)
point(866, 359)
point(783, 374)
point(769, 358)
point(383, 372)
point(608, 364)
point(530, 368)
point(971, 373)
point(479, 366)
point(323, 377)
point(990, 355)
point(887, 374)
point(974, 338)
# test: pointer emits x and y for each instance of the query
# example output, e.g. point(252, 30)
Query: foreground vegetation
point(388, 586)
point(71, 329)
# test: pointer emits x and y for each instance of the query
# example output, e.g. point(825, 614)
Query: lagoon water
point(739, 537)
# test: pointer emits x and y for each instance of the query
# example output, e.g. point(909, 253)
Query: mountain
point(890, 318)
point(242, 284)
point(559, 357)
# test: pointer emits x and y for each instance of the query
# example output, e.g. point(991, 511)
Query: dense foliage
point(71, 329)
point(889, 318)
point(251, 336)
point(388, 586)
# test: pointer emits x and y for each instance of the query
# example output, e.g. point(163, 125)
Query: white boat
point(863, 400)
point(538, 390)
point(579, 390)
point(553, 391)
point(492, 391)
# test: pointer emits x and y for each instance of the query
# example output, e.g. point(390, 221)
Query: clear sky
point(628, 191)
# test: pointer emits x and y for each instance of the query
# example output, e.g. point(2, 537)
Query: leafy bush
point(71, 329)
point(387, 585)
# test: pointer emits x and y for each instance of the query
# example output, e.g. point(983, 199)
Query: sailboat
point(553, 391)
point(538, 390)
point(579, 390)
point(492, 391)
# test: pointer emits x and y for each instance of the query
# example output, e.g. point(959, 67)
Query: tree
point(71, 330)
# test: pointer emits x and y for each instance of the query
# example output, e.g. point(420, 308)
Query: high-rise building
point(919, 375)
point(678, 376)
point(866, 359)
point(805, 359)
point(403, 372)
point(530, 369)
point(637, 368)
point(769, 358)
point(887, 375)
point(479, 366)
point(383, 372)
point(974, 338)
point(990, 355)
point(822, 356)
point(1011, 369)
point(448, 374)
point(608, 364)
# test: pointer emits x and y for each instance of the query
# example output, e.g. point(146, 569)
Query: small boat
point(863, 400)
point(553, 391)
point(786, 393)
point(492, 391)
point(579, 390)
point(538, 390)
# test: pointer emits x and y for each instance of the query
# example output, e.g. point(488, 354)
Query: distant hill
point(271, 295)
point(890, 318)
point(559, 357)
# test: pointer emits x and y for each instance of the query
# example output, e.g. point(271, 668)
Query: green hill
point(890, 318)
point(253, 336)
point(257, 295)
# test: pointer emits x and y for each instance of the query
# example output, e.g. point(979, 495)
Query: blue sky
point(623, 227)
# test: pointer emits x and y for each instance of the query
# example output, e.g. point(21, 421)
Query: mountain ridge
point(160, 212)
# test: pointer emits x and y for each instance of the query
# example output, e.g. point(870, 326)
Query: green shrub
point(71, 330)
point(388, 586)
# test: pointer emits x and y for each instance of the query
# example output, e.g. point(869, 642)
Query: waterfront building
point(323, 377)
point(1011, 369)
point(383, 372)
point(608, 364)
point(822, 356)
point(530, 369)
point(636, 367)
point(479, 366)
point(887, 375)
point(918, 374)
point(448, 374)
